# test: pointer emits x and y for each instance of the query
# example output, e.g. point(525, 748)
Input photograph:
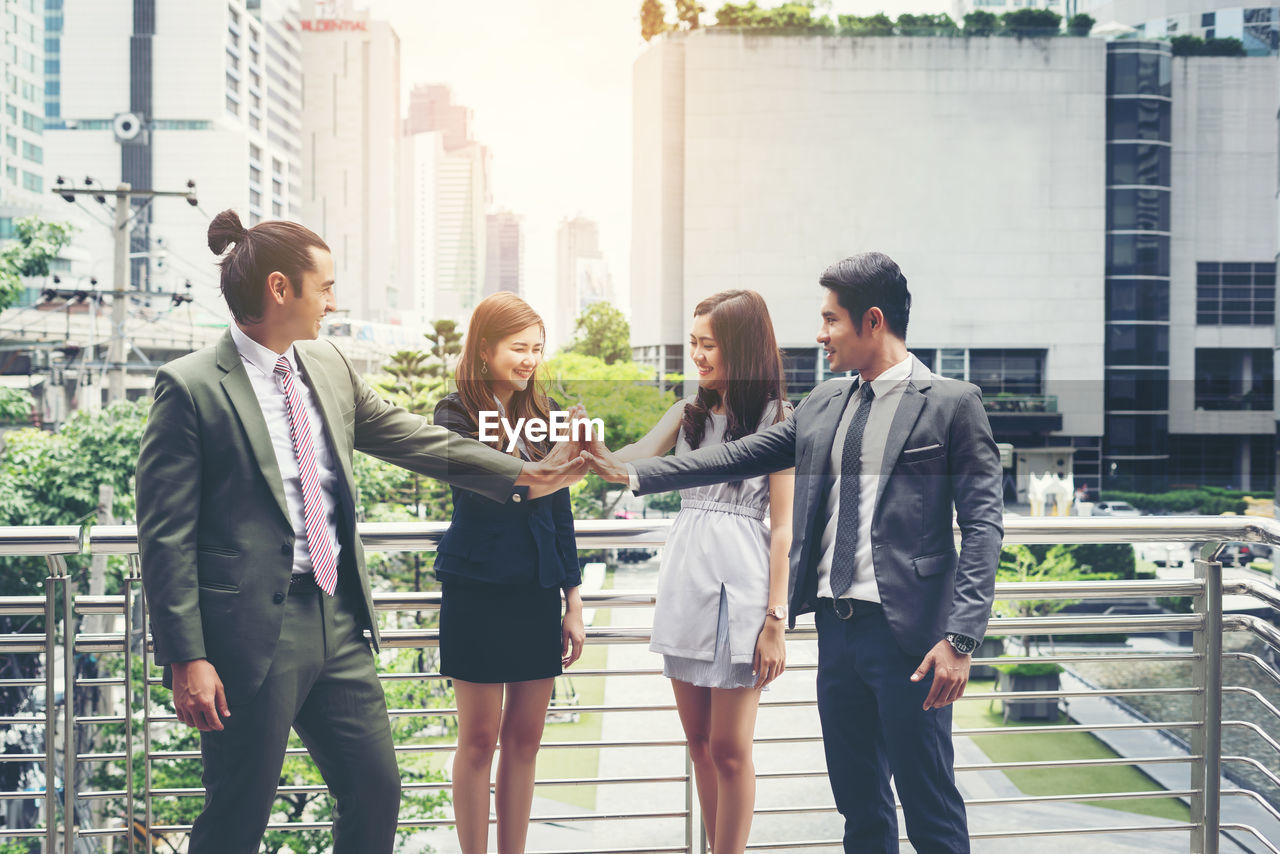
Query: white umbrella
point(1113, 30)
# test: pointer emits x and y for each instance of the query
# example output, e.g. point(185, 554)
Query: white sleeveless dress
point(713, 586)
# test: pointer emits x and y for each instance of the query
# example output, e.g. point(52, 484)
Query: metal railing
point(75, 812)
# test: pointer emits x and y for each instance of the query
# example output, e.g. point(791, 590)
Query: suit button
point(277, 598)
point(286, 549)
point(517, 498)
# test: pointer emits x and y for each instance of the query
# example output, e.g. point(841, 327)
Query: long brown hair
point(743, 330)
point(500, 316)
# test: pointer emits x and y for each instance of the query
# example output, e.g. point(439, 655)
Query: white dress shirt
point(888, 388)
point(260, 365)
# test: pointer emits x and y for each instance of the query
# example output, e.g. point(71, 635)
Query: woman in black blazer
point(502, 567)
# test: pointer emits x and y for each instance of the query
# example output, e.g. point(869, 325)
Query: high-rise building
point(1096, 250)
point(447, 179)
point(504, 254)
point(23, 183)
point(1256, 26)
point(582, 275)
point(431, 108)
point(351, 154)
point(230, 121)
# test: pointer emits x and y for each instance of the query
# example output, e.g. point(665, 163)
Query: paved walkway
point(819, 821)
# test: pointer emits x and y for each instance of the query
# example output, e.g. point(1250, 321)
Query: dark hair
point(496, 317)
point(870, 280)
point(275, 246)
point(743, 330)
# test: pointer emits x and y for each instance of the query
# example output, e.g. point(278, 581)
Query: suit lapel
point(235, 382)
point(909, 408)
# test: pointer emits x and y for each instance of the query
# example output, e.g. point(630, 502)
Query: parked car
point(1166, 554)
point(1243, 554)
point(1115, 508)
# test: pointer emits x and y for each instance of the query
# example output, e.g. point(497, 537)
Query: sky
point(549, 84)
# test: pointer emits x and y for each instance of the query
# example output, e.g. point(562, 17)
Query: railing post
point(56, 571)
point(130, 578)
point(70, 743)
point(1206, 741)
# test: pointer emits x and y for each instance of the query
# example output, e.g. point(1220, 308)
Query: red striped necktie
point(320, 545)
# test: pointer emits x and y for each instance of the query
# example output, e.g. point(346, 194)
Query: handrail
point(1204, 723)
point(623, 533)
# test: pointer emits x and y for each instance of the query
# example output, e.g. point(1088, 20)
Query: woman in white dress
point(722, 588)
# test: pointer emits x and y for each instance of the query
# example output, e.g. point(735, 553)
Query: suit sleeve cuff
point(633, 479)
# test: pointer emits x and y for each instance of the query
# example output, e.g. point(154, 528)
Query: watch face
point(962, 645)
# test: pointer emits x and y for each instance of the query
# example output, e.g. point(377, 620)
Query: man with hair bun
point(254, 573)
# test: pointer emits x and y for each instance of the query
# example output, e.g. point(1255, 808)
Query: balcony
point(1014, 415)
point(91, 676)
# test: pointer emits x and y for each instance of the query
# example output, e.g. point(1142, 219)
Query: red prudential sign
point(334, 25)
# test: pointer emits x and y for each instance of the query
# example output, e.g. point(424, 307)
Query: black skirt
point(499, 632)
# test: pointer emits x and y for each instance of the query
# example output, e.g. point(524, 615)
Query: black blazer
point(520, 542)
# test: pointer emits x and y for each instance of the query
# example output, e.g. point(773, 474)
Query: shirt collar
point(262, 358)
point(895, 376)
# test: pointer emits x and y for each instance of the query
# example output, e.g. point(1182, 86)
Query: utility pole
point(117, 357)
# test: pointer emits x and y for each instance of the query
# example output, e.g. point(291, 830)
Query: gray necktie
point(850, 495)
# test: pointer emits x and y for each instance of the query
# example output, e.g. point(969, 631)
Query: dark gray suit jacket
point(940, 455)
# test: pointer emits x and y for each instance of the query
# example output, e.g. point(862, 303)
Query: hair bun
point(225, 230)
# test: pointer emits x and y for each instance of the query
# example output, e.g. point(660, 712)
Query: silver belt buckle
point(843, 608)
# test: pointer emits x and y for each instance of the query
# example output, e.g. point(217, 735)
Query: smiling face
point(315, 297)
point(707, 355)
point(845, 349)
point(513, 360)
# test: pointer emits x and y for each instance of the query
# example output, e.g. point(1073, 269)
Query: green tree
point(37, 242)
point(927, 25)
point(653, 19)
point(622, 395)
point(446, 346)
point(687, 12)
point(602, 331)
point(868, 25)
point(1031, 23)
point(1080, 24)
point(15, 406)
point(792, 17)
point(980, 23)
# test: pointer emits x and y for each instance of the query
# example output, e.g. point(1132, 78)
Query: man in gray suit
point(881, 460)
point(254, 572)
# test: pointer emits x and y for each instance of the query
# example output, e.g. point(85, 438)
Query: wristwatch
point(962, 644)
point(778, 612)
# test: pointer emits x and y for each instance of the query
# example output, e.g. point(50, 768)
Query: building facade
point(351, 132)
point(231, 122)
point(1051, 203)
point(447, 174)
point(582, 274)
point(504, 254)
point(1256, 26)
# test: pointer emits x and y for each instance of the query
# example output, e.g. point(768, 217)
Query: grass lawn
point(1068, 745)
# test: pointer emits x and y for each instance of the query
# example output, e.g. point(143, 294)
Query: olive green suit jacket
point(214, 535)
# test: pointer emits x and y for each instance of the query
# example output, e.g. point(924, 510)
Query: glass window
point(1137, 434)
point(800, 369)
point(1135, 163)
point(1235, 293)
point(1137, 210)
point(1234, 379)
point(951, 363)
point(1137, 255)
point(1137, 344)
point(926, 357)
point(1138, 118)
point(1142, 390)
point(1018, 372)
point(34, 153)
point(1139, 73)
point(1137, 299)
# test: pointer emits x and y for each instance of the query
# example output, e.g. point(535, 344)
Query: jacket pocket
point(927, 452)
point(218, 550)
point(928, 566)
point(220, 588)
